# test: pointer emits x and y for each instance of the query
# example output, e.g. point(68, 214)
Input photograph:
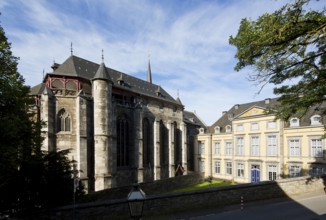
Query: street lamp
point(136, 199)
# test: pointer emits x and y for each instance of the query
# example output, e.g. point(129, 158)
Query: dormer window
point(201, 130)
point(158, 91)
point(230, 116)
point(120, 80)
point(217, 130)
point(294, 122)
point(228, 128)
point(315, 120)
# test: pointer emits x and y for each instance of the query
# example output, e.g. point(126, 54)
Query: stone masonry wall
point(173, 202)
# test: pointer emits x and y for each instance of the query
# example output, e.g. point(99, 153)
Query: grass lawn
point(204, 185)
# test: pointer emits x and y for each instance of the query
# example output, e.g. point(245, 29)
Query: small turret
point(102, 74)
point(102, 94)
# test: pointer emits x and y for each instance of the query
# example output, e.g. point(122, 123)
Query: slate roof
point(78, 67)
point(192, 118)
point(40, 89)
point(314, 110)
point(102, 73)
point(239, 109)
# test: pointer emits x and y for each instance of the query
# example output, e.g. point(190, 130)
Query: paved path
point(310, 206)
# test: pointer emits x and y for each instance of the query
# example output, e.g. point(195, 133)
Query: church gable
point(253, 111)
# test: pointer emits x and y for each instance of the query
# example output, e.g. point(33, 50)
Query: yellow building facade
point(247, 145)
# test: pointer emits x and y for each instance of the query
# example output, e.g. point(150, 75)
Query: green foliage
point(15, 126)
point(29, 178)
point(288, 49)
point(204, 185)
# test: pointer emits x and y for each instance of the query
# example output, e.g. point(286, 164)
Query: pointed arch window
point(164, 150)
point(122, 142)
point(147, 151)
point(177, 145)
point(64, 120)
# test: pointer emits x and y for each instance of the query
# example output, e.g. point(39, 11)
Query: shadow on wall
point(264, 200)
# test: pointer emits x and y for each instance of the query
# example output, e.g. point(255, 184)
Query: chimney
point(236, 106)
point(267, 101)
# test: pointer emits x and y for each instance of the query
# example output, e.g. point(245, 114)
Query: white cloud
point(188, 43)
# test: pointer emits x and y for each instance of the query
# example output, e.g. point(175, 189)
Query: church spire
point(149, 72)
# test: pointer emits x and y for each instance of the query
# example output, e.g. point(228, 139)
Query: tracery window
point(64, 121)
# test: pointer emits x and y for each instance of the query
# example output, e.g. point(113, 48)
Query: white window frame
point(228, 128)
point(201, 130)
point(255, 145)
point(240, 146)
point(217, 130)
point(201, 147)
point(295, 147)
point(228, 167)
point(217, 148)
point(217, 167)
point(240, 128)
point(271, 145)
point(294, 122)
point(316, 147)
point(201, 166)
point(228, 148)
point(254, 126)
point(272, 172)
point(240, 170)
point(271, 125)
point(295, 170)
point(313, 120)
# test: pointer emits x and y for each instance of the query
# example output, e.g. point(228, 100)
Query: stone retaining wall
point(173, 202)
point(151, 188)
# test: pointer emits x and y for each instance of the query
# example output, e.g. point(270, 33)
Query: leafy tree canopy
point(29, 177)
point(287, 48)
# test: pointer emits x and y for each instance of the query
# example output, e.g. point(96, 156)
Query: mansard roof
point(78, 67)
point(239, 109)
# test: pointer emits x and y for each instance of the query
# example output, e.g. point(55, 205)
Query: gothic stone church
point(119, 129)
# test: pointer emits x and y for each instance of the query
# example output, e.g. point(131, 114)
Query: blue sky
point(187, 41)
